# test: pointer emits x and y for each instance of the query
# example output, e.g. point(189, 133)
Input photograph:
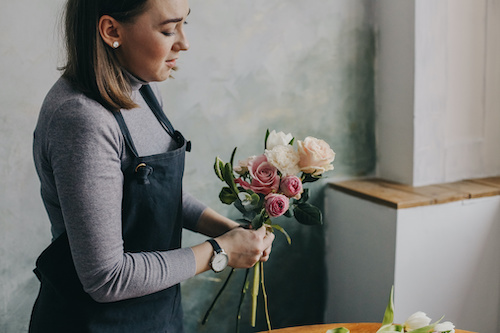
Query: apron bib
point(151, 221)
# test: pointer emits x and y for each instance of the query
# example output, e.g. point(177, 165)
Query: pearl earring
point(116, 44)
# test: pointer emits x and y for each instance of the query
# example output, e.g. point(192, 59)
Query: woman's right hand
point(246, 247)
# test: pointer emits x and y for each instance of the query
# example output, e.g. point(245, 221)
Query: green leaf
point(218, 167)
point(265, 140)
point(308, 178)
point(257, 221)
point(304, 197)
point(307, 214)
point(227, 196)
point(338, 330)
point(389, 310)
point(255, 199)
point(425, 329)
point(229, 178)
point(283, 231)
point(231, 161)
point(291, 142)
point(389, 328)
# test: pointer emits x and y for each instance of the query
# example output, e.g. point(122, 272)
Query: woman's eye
point(168, 33)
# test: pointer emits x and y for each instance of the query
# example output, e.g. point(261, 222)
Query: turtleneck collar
point(135, 83)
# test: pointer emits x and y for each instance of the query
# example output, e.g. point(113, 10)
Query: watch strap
point(215, 245)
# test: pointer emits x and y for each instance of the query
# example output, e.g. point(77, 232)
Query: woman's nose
point(182, 44)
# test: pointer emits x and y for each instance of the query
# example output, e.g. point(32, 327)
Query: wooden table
point(353, 327)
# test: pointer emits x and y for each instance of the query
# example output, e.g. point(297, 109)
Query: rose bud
point(276, 204)
point(291, 186)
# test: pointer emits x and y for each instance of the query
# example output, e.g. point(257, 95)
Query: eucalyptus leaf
point(307, 214)
point(338, 330)
point(227, 196)
point(255, 199)
point(257, 221)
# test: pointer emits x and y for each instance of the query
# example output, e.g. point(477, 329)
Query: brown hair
point(91, 64)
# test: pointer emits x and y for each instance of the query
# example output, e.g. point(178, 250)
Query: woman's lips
point(171, 63)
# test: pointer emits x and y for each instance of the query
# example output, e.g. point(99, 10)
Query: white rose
point(316, 156)
point(278, 139)
point(284, 158)
point(242, 166)
point(446, 326)
point(417, 320)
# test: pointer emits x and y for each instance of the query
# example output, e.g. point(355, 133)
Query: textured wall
point(304, 67)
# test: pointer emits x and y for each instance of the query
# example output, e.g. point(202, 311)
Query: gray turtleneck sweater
point(79, 153)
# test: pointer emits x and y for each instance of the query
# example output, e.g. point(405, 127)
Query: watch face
point(219, 262)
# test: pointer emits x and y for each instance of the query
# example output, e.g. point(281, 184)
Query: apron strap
point(152, 102)
point(150, 98)
point(126, 134)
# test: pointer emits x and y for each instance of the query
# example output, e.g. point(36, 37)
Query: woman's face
point(151, 44)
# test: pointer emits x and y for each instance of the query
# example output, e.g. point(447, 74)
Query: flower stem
point(268, 320)
point(243, 292)
point(255, 292)
point(207, 314)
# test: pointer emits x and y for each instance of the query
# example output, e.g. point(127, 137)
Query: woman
point(110, 166)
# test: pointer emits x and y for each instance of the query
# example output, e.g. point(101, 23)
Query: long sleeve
point(79, 152)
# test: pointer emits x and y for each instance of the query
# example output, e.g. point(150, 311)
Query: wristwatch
point(219, 259)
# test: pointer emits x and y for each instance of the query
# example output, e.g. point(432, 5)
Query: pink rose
point(276, 204)
point(291, 186)
point(316, 156)
point(264, 175)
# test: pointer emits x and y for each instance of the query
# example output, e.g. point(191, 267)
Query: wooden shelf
point(400, 196)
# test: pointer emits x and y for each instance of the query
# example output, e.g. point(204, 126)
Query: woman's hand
point(246, 247)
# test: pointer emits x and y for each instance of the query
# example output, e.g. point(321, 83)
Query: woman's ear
point(109, 28)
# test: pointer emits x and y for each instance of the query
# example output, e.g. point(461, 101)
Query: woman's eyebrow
point(174, 20)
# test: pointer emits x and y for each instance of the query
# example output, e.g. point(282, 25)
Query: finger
point(261, 232)
point(264, 257)
point(268, 239)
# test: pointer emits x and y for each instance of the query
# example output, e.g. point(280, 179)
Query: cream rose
point(284, 158)
point(278, 139)
point(316, 156)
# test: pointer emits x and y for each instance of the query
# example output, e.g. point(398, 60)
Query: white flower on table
point(446, 326)
point(415, 321)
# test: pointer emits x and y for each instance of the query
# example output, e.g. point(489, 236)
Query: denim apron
point(151, 221)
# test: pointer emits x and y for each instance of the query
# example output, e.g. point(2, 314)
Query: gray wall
point(304, 67)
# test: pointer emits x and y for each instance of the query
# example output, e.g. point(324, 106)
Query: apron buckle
point(143, 171)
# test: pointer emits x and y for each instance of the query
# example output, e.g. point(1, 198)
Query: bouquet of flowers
point(270, 185)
